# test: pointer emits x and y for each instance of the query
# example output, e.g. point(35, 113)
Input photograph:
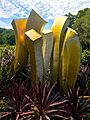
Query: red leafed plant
point(46, 103)
point(36, 103)
point(77, 105)
point(17, 104)
point(43, 103)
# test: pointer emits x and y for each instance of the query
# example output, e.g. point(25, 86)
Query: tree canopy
point(82, 26)
point(7, 36)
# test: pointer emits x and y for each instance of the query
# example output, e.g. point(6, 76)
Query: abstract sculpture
point(58, 48)
point(21, 50)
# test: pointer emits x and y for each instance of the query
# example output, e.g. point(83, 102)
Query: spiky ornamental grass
point(37, 103)
point(17, 103)
point(46, 104)
point(77, 105)
point(43, 103)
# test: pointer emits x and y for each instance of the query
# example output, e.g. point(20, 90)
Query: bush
point(85, 56)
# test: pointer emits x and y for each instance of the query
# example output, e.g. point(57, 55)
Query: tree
point(7, 36)
point(11, 40)
point(72, 18)
point(82, 26)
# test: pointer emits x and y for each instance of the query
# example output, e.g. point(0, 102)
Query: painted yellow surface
point(65, 63)
point(69, 34)
point(33, 35)
point(19, 26)
point(35, 21)
point(34, 27)
point(34, 45)
point(70, 58)
point(47, 48)
point(59, 27)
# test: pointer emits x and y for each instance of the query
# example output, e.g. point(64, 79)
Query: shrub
point(17, 104)
point(85, 56)
point(77, 105)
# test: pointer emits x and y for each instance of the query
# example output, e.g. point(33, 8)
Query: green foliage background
point(85, 56)
point(7, 36)
point(81, 23)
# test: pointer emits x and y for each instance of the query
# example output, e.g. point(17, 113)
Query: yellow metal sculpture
point(47, 48)
point(34, 45)
point(34, 41)
point(70, 58)
point(58, 48)
point(19, 26)
point(59, 27)
point(36, 22)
